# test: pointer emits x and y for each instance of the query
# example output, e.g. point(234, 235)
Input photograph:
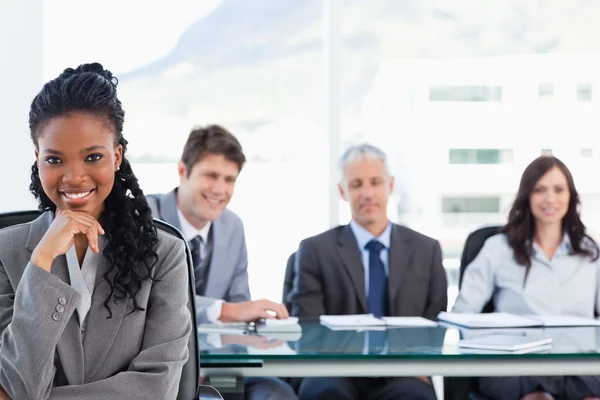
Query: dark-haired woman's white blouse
point(565, 285)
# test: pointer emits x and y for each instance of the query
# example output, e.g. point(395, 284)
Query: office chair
point(472, 247)
point(288, 285)
point(18, 217)
point(189, 388)
point(288, 281)
point(458, 388)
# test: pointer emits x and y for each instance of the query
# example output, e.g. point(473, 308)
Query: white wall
point(21, 74)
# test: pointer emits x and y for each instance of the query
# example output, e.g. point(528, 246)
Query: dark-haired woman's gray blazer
point(133, 355)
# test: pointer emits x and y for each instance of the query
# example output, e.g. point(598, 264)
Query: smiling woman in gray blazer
point(91, 305)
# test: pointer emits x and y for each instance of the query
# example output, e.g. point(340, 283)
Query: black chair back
point(472, 247)
point(458, 388)
point(288, 281)
point(190, 376)
point(18, 217)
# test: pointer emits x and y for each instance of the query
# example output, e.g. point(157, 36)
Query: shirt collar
point(563, 248)
point(189, 231)
point(363, 236)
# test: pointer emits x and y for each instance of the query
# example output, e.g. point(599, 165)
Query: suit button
point(60, 308)
point(62, 300)
point(56, 316)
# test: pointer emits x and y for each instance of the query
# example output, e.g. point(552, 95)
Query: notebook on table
point(509, 343)
point(370, 322)
point(508, 320)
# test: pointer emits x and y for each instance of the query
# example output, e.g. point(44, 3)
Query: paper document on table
point(507, 320)
point(565, 320)
point(408, 322)
point(504, 342)
point(488, 320)
point(537, 349)
point(225, 328)
point(288, 325)
point(280, 322)
point(355, 321)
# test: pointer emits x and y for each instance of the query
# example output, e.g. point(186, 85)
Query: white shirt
point(213, 312)
point(83, 279)
point(190, 232)
point(363, 237)
point(565, 285)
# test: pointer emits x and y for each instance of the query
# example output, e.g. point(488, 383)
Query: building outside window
point(480, 156)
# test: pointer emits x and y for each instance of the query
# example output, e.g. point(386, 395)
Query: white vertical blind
point(21, 74)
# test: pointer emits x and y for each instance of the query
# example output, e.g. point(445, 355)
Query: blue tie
point(377, 280)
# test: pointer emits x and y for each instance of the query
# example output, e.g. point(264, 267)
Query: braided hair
point(126, 217)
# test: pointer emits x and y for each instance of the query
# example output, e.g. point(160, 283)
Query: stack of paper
point(224, 328)
point(566, 320)
point(411, 322)
point(288, 330)
point(509, 343)
point(355, 321)
point(487, 320)
point(369, 321)
point(263, 326)
point(507, 320)
point(278, 325)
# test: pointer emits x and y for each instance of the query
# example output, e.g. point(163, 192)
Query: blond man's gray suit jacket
point(228, 273)
point(133, 355)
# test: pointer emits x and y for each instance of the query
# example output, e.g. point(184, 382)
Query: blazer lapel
point(101, 330)
point(37, 229)
point(69, 347)
point(168, 208)
point(400, 255)
point(352, 260)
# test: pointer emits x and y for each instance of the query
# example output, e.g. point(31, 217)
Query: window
point(259, 75)
point(462, 80)
point(545, 91)
point(471, 204)
point(21, 40)
point(461, 156)
point(587, 153)
point(480, 156)
point(584, 92)
point(465, 93)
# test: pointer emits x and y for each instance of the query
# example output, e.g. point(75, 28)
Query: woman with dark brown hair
point(543, 262)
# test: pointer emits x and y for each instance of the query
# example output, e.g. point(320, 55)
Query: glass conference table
point(419, 351)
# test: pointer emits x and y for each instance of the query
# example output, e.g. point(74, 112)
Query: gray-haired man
point(368, 266)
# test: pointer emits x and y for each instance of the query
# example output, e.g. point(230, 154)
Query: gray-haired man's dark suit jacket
point(329, 275)
point(228, 272)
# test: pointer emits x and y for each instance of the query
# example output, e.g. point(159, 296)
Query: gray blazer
point(137, 355)
point(329, 275)
point(228, 271)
